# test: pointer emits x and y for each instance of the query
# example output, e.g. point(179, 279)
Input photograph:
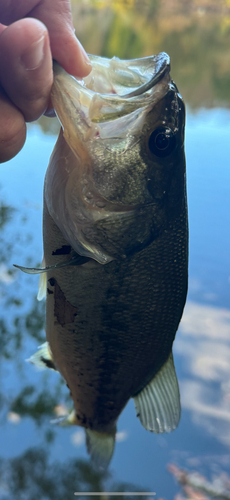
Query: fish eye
point(162, 142)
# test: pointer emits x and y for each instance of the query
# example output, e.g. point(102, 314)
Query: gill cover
point(109, 107)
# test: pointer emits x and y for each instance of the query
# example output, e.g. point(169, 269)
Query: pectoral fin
point(158, 404)
point(42, 285)
point(66, 420)
point(78, 260)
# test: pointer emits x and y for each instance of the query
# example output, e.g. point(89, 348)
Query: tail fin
point(100, 446)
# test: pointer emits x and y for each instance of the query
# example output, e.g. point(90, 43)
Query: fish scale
point(106, 299)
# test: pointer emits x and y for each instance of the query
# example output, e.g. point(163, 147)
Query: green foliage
point(122, 40)
point(196, 36)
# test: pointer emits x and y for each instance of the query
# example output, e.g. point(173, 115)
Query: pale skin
point(32, 33)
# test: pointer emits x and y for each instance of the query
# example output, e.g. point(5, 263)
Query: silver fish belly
point(116, 245)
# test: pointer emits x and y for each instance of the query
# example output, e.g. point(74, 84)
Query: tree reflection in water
point(32, 476)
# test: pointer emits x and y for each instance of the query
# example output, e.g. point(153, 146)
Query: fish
point(115, 236)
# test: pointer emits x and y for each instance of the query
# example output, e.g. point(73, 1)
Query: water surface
point(43, 461)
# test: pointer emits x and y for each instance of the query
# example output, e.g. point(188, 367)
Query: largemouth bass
point(115, 245)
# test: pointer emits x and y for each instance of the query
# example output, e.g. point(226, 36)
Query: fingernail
point(33, 56)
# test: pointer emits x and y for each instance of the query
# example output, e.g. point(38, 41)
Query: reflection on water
point(31, 476)
point(40, 460)
point(196, 486)
point(29, 399)
point(205, 346)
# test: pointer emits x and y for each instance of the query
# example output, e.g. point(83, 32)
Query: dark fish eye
point(162, 142)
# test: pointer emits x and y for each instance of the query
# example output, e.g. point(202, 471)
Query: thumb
point(65, 47)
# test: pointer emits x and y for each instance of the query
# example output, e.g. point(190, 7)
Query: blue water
point(202, 346)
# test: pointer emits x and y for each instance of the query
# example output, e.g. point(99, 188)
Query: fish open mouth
point(101, 115)
point(115, 88)
point(146, 72)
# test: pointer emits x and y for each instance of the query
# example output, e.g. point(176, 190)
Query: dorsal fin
point(158, 404)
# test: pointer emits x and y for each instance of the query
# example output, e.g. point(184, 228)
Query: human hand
point(33, 34)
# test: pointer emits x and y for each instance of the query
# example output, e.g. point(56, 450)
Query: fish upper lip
point(161, 69)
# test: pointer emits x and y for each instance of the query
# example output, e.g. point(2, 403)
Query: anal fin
point(158, 404)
